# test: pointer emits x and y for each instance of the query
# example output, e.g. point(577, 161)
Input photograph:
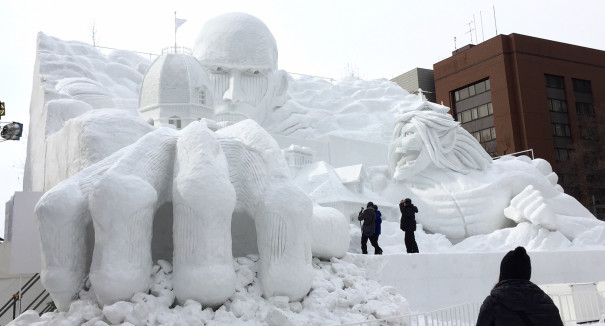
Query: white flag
point(178, 22)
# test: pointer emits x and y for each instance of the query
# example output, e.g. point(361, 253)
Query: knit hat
point(407, 201)
point(515, 265)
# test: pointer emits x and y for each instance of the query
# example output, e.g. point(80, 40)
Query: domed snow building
point(175, 92)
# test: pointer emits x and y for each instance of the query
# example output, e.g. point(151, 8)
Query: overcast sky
point(379, 38)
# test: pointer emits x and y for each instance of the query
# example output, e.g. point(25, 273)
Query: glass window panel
point(457, 96)
point(487, 87)
point(582, 86)
point(493, 131)
point(464, 93)
point(477, 136)
point(459, 116)
point(566, 130)
point(483, 112)
point(563, 106)
point(489, 108)
point(553, 81)
point(556, 106)
point(480, 87)
point(471, 90)
point(473, 113)
point(486, 135)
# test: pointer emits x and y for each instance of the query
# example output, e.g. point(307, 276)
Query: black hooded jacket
point(408, 217)
point(518, 303)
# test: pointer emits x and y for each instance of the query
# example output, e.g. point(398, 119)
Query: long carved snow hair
point(447, 143)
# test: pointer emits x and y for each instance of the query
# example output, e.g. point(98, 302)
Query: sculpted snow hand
point(218, 183)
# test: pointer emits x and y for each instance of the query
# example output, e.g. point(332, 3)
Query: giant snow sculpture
point(235, 175)
point(240, 55)
point(461, 192)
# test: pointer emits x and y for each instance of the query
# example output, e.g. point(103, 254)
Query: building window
point(581, 86)
point(202, 97)
point(553, 81)
point(475, 113)
point(584, 109)
point(560, 130)
point(562, 154)
point(555, 105)
point(175, 121)
point(485, 135)
point(472, 90)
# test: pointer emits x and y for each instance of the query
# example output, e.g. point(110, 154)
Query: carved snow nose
point(235, 92)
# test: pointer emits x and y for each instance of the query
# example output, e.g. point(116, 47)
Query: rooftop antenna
point(481, 17)
point(475, 28)
point(495, 23)
point(470, 30)
point(455, 48)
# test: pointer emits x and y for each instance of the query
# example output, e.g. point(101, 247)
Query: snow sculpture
point(240, 55)
point(175, 91)
point(461, 192)
point(234, 176)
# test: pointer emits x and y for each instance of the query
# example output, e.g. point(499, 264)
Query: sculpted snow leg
point(63, 219)
point(203, 200)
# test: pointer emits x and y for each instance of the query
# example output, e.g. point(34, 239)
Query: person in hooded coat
point(515, 300)
point(368, 216)
point(408, 224)
point(377, 229)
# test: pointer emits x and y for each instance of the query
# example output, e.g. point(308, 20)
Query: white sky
point(381, 39)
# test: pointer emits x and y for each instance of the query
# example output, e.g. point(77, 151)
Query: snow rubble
point(340, 293)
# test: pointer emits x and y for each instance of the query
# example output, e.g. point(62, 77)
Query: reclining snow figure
point(211, 178)
point(461, 192)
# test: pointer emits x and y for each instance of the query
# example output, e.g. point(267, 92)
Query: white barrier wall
point(433, 281)
point(25, 237)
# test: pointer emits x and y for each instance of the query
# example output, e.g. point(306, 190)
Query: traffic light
point(1, 109)
point(12, 131)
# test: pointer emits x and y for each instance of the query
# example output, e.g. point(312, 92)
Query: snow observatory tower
point(175, 92)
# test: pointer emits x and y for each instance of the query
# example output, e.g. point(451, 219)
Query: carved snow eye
point(408, 133)
point(217, 70)
point(253, 72)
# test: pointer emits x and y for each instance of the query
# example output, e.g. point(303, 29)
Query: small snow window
point(202, 96)
point(175, 121)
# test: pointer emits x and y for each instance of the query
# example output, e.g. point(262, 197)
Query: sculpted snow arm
point(280, 210)
point(203, 200)
point(558, 212)
point(110, 202)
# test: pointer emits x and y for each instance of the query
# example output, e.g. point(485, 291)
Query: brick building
point(516, 92)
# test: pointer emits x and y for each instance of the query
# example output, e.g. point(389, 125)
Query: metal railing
point(530, 151)
point(574, 309)
point(14, 303)
point(580, 307)
point(459, 315)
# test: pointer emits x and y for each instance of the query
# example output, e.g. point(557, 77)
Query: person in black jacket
point(368, 216)
point(515, 300)
point(408, 224)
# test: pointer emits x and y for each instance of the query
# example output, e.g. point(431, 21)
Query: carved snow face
point(240, 54)
point(408, 153)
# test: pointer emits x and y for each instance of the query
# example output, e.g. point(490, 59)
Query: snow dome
point(175, 91)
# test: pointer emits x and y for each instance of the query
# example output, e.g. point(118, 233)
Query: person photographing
point(408, 224)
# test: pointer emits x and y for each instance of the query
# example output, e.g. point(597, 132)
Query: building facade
point(516, 92)
point(417, 78)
